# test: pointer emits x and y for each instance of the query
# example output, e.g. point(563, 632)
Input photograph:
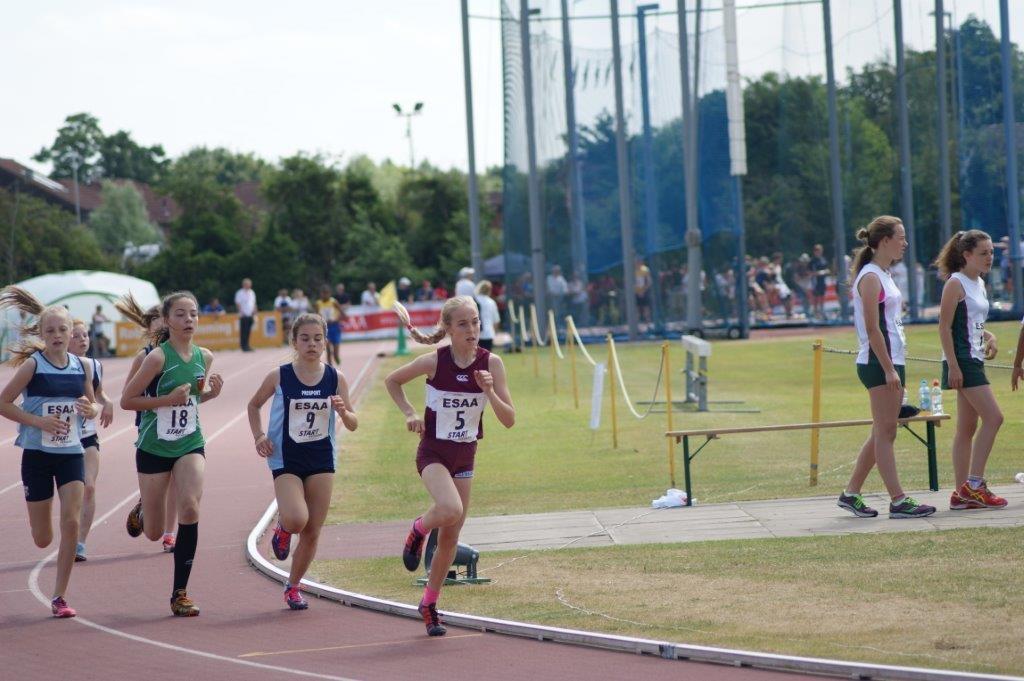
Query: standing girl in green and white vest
point(168, 388)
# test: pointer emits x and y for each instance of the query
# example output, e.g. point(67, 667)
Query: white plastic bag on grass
point(673, 498)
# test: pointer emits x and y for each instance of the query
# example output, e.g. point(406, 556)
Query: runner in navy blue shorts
point(299, 444)
point(56, 390)
point(462, 378)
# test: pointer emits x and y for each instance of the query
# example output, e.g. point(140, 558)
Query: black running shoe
point(134, 522)
point(435, 626)
point(413, 550)
point(909, 508)
point(854, 503)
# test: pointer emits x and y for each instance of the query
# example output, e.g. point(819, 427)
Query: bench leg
point(686, 470)
point(933, 466)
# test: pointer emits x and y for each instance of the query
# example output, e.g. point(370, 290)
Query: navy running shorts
point(39, 470)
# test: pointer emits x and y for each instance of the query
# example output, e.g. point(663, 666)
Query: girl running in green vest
point(151, 321)
point(168, 388)
point(965, 347)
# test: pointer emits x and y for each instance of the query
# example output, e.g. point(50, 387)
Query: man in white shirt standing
point(465, 286)
point(245, 301)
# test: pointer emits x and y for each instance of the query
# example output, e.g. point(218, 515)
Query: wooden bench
point(930, 421)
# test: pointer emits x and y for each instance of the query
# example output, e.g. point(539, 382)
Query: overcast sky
point(321, 75)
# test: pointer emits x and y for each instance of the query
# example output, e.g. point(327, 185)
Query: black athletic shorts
point(301, 475)
point(151, 463)
point(91, 441)
point(39, 470)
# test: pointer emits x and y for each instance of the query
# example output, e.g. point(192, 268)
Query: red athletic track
point(125, 629)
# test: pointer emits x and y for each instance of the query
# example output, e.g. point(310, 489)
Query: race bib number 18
point(174, 423)
point(66, 411)
point(308, 420)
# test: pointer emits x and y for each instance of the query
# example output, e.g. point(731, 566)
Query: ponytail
point(132, 311)
point(951, 257)
point(443, 323)
point(871, 236)
point(17, 298)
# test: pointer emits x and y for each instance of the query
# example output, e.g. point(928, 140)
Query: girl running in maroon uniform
point(462, 378)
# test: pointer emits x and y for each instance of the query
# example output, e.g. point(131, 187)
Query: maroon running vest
point(455, 404)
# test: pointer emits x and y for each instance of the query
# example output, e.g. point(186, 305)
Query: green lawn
point(551, 460)
point(948, 600)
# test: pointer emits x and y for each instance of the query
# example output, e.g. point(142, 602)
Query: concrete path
point(741, 520)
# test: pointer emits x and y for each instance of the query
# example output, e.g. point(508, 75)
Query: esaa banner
point(215, 332)
point(377, 322)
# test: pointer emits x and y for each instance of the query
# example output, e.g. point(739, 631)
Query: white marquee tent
point(81, 291)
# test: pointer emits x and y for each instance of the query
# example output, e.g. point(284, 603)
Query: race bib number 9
point(174, 423)
point(458, 415)
point(308, 420)
point(66, 411)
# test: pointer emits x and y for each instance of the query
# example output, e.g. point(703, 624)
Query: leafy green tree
point(226, 168)
point(122, 218)
point(80, 137)
point(122, 157)
point(38, 238)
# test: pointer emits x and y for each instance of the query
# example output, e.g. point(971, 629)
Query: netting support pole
point(691, 107)
point(474, 197)
point(625, 195)
point(650, 188)
point(836, 181)
point(1010, 134)
point(533, 181)
point(611, 386)
point(575, 181)
point(819, 351)
point(945, 210)
point(668, 411)
point(906, 181)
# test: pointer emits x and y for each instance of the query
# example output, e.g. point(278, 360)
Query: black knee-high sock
point(184, 552)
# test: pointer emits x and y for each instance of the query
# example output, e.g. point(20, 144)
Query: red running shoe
point(294, 598)
point(61, 608)
point(281, 542)
point(981, 497)
point(413, 550)
point(958, 503)
point(433, 621)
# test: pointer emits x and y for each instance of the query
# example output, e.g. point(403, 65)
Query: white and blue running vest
point(88, 426)
point(302, 422)
point(53, 390)
point(890, 318)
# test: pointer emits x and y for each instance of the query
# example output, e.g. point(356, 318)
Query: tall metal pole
point(690, 156)
point(838, 223)
point(533, 182)
point(476, 257)
point(906, 182)
point(625, 197)
point(575, 184)
point(945, 218)
point(1010, 134)
point(961, 157)
point(650, 190)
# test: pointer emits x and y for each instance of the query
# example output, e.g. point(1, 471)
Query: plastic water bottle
point(936, 397)
point(924, 396)
point(906, 398)
point(1019, 478)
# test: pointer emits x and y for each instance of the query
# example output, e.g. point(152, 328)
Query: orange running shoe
point(981, 497)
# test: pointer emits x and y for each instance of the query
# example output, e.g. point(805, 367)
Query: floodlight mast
point(417, 109)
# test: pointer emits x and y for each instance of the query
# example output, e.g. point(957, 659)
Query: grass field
point(907, 599)
point(551, 460)
point(950, 599)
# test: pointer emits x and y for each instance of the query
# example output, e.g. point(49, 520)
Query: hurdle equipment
point(931, 421)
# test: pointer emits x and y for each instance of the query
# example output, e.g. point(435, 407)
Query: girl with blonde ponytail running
point(56, 390)
point(462, 378)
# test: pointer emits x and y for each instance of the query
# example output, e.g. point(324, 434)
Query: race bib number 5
point(308, 420)
point(458, 415)
point(174, 423)
point(66, 411)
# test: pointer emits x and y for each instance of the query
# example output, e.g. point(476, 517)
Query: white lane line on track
point(33, 583)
